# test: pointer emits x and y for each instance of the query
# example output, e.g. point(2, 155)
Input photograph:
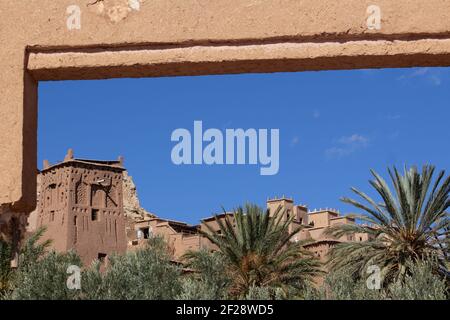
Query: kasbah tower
point(81, 204)
point(91, 207)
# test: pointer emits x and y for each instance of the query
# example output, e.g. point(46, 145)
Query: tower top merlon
point(45, 164)
point(280, 199)
point(69, 155)
point(121, 161)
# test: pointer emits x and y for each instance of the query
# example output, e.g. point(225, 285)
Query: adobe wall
point(45, 40)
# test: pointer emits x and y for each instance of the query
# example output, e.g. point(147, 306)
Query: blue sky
point(334, 126)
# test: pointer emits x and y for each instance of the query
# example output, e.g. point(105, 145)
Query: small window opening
point(94, 215)
point(102, 257)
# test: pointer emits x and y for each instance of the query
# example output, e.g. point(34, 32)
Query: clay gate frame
point(88, 39)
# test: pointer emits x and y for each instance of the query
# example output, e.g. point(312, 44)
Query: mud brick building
point(81, 204)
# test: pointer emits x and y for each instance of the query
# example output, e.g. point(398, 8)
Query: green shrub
point(146, 274)
point(420, 284)
point(208, 281)
point(150, 274)
point(343, 285)
point(196, 289)
point(265, 293)
point(46, 279)
point(258, 293)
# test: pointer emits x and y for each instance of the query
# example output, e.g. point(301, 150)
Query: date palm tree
point(259, 251)
point(410, 223)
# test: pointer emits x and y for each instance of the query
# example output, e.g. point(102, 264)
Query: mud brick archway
point(89, 39)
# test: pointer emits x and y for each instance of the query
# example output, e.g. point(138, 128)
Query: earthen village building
point(80, 202)
point(91, 206)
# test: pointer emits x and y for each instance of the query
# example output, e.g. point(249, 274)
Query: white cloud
point(347, 145)
point(431, 75)
point(394, 135)
point(436, 80)
point(415, 73)
point(393, 116)
point(336, 152)
point(295, 141)
point(355, 139)
point(316, 114)
point(420, 72)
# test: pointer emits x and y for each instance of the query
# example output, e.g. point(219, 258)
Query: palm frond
point(258, 250)
point(409, 223)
